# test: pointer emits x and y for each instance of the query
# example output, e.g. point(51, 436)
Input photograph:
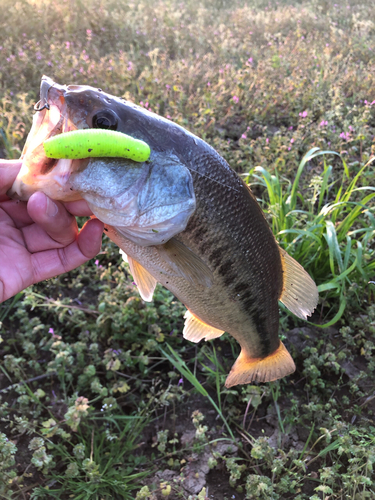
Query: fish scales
point(196, 228)
point(249, 272)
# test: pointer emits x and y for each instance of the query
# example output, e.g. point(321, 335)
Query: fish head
point(156, 196)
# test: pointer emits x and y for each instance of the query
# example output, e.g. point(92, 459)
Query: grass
point(178, 363)
point(100, 465)
point(331, 238)
point(100, 395)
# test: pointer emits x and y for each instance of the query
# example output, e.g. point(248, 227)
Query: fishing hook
point(45, 106)
point(43, 95)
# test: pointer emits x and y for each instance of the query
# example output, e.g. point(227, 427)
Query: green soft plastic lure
point(96, 143)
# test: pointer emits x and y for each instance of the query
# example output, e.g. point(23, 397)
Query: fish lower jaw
point(20, 191)
point(56, 187)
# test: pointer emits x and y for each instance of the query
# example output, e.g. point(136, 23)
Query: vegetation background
point(100, 396)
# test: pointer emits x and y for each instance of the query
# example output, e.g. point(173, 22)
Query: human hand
point(39, 239)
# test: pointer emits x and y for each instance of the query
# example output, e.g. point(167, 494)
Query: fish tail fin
point(246, 369)
point(300, 294)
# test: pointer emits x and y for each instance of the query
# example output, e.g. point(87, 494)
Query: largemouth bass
point(184, 218)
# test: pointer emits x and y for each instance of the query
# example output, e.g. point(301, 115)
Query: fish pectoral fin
point(300, 294)
point(185, 263)
point(246, 369)
point(195, 329)
point(145, 282)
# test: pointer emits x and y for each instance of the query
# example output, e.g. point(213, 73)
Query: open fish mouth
point(149, 201)
point(39, 173)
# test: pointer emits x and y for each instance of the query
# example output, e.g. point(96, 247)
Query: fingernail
point(52, 208)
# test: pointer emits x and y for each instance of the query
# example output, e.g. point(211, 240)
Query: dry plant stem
point(39, 377)
point(247, 409)
point(368, 399)
point(57, 303)
point(251, 420)
point(131, 378)
point(92, 444)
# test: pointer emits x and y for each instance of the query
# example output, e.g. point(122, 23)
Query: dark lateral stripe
point(215, 257)
point(227, 273)
point(225, 268)
point(204, 247)
point(241, 287)
point(199, 232)
point(248, 304)
point(265, 342)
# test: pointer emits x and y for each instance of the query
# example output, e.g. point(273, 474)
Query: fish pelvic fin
point(145, 282)
point(300, 294)
point(195, 329)
point(246, 369)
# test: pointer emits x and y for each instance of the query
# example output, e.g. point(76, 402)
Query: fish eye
point(106, 119)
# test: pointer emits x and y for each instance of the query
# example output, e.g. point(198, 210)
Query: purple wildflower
point(345, 136)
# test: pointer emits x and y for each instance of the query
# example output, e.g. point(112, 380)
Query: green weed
point(333, 239)
point(101, 464)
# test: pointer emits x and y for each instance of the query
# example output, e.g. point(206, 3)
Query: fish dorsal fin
point(300, 294)
point(276, 365)
point(145, 282)
point(195, 329)
point(185, 263)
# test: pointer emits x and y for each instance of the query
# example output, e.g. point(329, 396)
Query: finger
point(53, 262)
point(78, 208)
point(54, 227)
point(8, 173)
point(15, 212)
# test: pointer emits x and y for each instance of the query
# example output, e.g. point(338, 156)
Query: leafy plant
point(102, 464)
point(334, 239)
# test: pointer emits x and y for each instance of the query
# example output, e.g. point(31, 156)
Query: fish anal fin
point(300, 294)
point(185, 263)
point(195, 329)
point(246, 369)
point(145, 282)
